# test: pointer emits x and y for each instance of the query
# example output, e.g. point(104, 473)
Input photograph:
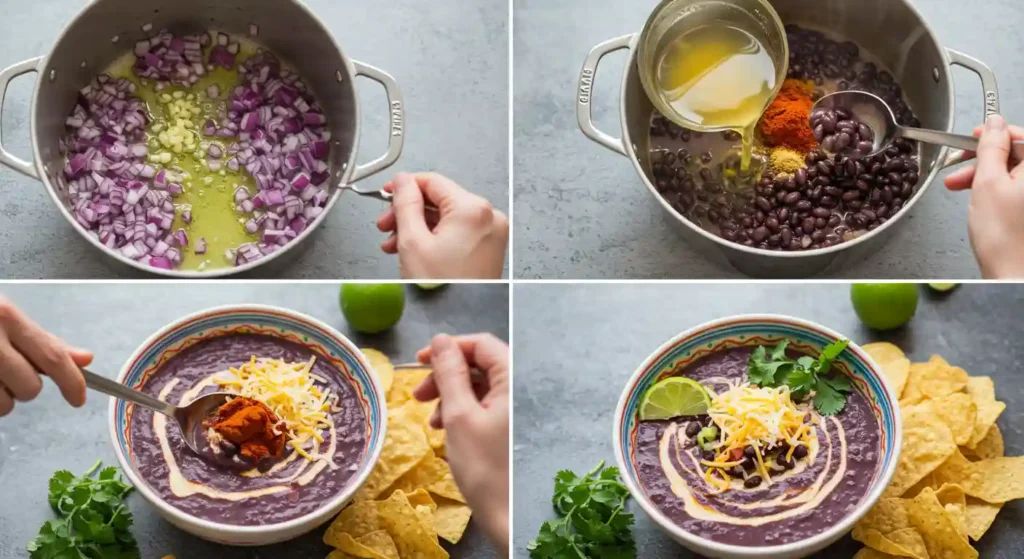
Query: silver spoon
point(874, 112)
point(382, 195)
point(188, 418)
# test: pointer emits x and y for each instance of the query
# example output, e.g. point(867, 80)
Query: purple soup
point(786, 510)
point(290, 498)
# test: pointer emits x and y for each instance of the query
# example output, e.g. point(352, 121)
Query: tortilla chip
point(980, 516)
point(995, 480)
point(990, 446)
point(422, 411)
point(375, 545)
point(959, 412)
point(381, 366)
point(421, 497)
point(926, 444)
point(901, 543)
point(403, 524)
point(406, 380)
point(404, 446)
point(952, 498)
point(426, 517)
point(451, 519)
point(339, 554)
point(868, 553)
point(433, 474)
point(356, 520)
point(888, 515)
point(926, 481)
point(937, 528)
point(895, 365)
point(934, 379)
point(983, 392)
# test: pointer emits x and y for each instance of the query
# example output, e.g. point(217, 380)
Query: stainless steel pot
point(893, 31)
point(105, 29)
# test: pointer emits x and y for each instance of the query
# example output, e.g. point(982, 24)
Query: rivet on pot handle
point(988, 86)
point(31, 65)
point(396, 137)
point(585, 90)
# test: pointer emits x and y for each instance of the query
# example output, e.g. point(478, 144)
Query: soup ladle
point(871, 110)
point(188, 418)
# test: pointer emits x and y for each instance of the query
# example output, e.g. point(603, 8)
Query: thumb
point(408, 205)
point(81, 357)
point(452, 377)
point(993, 151)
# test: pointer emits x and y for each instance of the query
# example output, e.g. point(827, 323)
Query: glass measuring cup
point(671, 18)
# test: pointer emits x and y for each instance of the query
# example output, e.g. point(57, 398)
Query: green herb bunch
point(803, 375)
point(594, 523)
point(92, 521)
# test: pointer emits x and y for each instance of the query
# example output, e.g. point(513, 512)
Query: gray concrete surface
point(46, 434)
point(449, 57)
point(581, 211)
point(576, 346)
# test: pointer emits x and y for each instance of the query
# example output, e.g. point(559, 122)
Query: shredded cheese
point(289, 390)
point(757, 417)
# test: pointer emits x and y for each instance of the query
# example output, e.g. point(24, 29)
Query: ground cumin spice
point(249, 424)
point(785, 160)
point(784, 123)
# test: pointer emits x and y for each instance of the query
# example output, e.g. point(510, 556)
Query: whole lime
point(372, 307)
point(884, 306)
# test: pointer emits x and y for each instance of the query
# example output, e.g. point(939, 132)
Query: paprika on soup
point(250, 425)
point(785, 121)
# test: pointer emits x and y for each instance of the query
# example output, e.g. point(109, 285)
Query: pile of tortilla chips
point(952, 478)
point(410, 498)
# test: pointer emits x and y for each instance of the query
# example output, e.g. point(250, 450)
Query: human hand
point(466, 237)
point(25, 348)
point(997, 201)
point(476, 419)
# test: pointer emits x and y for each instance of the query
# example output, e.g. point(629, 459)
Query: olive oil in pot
point(716, 77)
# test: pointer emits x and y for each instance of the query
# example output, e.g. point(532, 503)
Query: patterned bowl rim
point(311, 519)
point(806, 545)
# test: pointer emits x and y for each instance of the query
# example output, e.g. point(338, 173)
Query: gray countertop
point(46, 434)
point(581, 210)
point(449, 57)
point(576, 346)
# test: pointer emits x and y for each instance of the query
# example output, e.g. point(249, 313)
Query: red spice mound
point(250, 425)
point(785, 122)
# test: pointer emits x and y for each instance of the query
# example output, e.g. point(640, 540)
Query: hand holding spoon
point(188, 418)
point(872, 111)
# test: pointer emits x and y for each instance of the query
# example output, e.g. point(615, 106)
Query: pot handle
point(990, 88)
point(585, 89)
point(31, 65)
point(396, 139)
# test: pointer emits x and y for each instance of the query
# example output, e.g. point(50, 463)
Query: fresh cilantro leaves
point(803, 375)
point(92, 521)
point(594, 523)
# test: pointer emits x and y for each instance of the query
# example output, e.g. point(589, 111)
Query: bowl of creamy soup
point(757, 436)
point(300, 432)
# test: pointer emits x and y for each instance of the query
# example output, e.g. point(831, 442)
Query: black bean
point(869, 215)
point(834, 190)
point(705, 175)
point(791, 198)
point(851, 168)
point(749, 451)
point(829, 144)
point(851, 195)
point(801, 177)
point(707, 455)
point(894, 178)
point(819, 132)
point(706, 157)
point(786, 236)
point(692, 428)
point(804, 205)
point(865, 147)
point(752, 482)
point(843, 141)
point(800, 452)
point(834, 220)
point(843, 114)
point(783, 214)
point(854, 204)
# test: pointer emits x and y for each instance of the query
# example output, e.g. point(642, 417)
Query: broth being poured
point(717, 76)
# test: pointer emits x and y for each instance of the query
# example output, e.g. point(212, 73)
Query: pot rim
point(349, 168)
point(307, 521)
point(628, 145)
point(797, 548)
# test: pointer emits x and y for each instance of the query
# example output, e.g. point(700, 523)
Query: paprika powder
point(250, 425)
point(785, 121)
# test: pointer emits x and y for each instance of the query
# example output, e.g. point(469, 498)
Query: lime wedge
point(942, 286)
point(674, 397)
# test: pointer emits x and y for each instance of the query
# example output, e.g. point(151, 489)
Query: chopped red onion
point(200, 247)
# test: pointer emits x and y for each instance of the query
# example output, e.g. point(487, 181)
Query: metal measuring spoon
point(876, 114)
point(188, 417)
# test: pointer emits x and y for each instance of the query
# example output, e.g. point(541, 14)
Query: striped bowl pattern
point(753, 330)
point(295, 327)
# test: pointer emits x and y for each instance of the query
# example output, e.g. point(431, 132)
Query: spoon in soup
point(189, 418)
point(877, 127)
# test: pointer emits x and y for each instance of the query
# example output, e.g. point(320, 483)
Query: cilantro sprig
point(803, 375)
point(594, 523)
point(92, 520)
